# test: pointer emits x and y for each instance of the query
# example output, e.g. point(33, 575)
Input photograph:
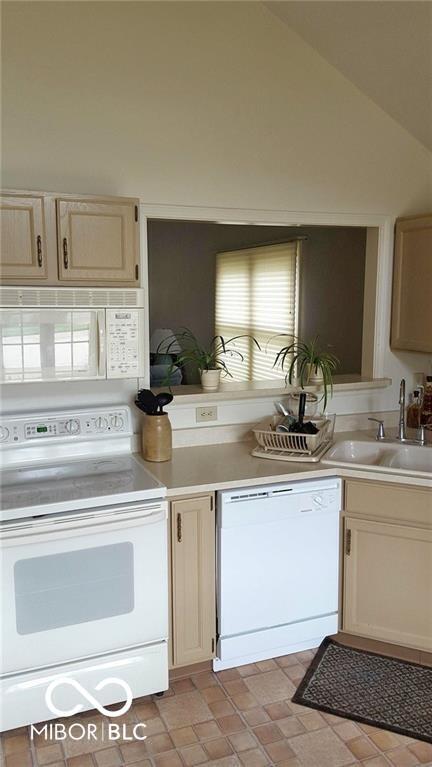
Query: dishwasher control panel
point(279, 501)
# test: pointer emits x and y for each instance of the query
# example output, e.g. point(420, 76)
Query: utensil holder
point(157, 438)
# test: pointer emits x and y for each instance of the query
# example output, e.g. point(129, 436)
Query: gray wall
point(182, 279)
point(332, 291)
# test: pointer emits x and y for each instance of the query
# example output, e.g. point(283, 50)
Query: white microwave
point(71, 334)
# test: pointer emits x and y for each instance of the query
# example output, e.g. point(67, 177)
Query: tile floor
point(237, 718)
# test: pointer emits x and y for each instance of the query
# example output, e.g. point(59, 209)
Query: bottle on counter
point(426, 411)
point(414, 410)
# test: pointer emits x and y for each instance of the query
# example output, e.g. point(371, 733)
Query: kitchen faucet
point(401, 437)
point(402, 424)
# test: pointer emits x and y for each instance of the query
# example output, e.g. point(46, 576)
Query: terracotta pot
point(210, 379)
point(156, 438)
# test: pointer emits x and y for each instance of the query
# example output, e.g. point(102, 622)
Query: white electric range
point(83, 536)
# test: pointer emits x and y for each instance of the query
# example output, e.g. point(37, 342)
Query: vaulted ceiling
point(383, 47)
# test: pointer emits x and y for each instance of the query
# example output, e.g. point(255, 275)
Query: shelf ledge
point(191, 393)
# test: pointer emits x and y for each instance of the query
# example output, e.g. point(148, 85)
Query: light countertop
point(207, 468)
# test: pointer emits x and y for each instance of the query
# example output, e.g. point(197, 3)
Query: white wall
point(195, 103)
point(216, 104)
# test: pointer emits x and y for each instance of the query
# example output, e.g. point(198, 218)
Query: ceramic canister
point(157, 438)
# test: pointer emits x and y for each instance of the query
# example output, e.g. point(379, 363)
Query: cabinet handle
point(179, 528)
point(65, 253)
point(348, 543)
point(39, 250)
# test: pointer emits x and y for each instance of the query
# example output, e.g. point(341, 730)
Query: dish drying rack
point(292, 446)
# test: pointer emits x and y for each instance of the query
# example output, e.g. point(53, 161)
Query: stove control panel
point(15, 430)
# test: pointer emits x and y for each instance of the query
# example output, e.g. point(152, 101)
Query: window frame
point(380, 226)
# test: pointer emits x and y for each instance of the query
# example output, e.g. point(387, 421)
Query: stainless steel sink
point(383, 456)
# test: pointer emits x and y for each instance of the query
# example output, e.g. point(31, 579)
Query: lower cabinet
point(193, 593)
point(387, 589)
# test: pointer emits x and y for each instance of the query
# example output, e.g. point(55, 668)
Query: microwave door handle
point(100, 341)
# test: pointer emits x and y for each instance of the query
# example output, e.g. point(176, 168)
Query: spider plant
point(206, 358)
point(309, 364)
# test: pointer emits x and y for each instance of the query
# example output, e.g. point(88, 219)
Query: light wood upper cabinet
point(97, 241)
point(71, 240)
point(193, 580)
point(412, 285)
point(388, 582)
point(23, 246)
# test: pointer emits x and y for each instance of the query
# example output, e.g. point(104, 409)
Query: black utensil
point(302, 408)
point(310, 428)
point(146, 401)
point(299, 427)
point(162, 399)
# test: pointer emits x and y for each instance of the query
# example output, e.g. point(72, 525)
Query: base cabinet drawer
point(389, 501)
point(388, 582)
point(193, 594)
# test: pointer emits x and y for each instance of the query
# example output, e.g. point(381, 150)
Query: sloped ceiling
point(383, 47)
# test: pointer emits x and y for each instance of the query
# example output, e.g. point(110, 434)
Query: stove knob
point(4, 433)
point(117, 422)
point(72, 426)
point(101, 423)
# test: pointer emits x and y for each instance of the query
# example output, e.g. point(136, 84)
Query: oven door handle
point(42, 528)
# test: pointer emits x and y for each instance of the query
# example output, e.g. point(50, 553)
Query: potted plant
point(208, 359)
point(309, 364)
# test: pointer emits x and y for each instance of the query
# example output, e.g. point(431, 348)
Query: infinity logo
point(88, 696)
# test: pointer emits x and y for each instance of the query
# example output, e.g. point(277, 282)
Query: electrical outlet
point(208, 413)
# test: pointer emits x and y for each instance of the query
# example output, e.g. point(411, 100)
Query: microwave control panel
point(100, 422)
point(124, 328)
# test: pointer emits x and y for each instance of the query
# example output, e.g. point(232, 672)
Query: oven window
point(74, 587)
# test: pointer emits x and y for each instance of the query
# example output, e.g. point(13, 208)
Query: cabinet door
point(97, 242)
point(23, 249)
point(388, 582)
point(412, 285)
point(193, 580)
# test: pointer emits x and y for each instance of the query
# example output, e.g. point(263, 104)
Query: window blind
point(256, 291)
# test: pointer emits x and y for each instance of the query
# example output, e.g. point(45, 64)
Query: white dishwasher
point(278, 569)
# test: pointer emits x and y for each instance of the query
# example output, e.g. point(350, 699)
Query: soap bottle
point(414, 410)
point(426, 411)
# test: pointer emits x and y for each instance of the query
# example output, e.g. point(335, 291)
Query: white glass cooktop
point(52, 488)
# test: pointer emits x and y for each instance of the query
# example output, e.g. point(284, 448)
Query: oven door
point(81, 584)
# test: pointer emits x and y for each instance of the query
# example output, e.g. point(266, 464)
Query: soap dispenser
point(414, 410)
